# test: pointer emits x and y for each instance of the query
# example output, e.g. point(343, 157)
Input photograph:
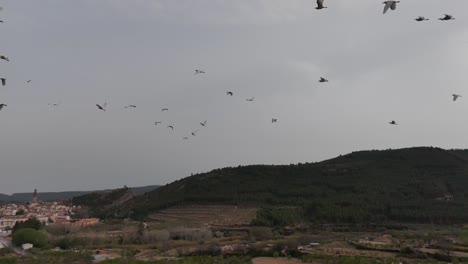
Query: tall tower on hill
point(34, 199)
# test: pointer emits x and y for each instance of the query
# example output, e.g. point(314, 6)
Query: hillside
point(407, 185)
point(58, 196)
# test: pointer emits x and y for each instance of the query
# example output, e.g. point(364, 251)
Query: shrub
point(260, 233)
point(32, 223)
point(29, 235)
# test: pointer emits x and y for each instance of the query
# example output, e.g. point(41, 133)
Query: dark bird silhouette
point(1, 21)
point(53, 104)
point(455, 96)
point(185, 138)
point(393, 122)
point(447, 17)
point(3, 81)
point(4, 58)
point(194, 133)
point(157, 122)
point(28, 81)
point(130, 106)
point(203, 124)
point(274, 120)
point(2, 105)
point(320, 5)
point(199, 72)
point(230, 93)
point(250, 100)
point(322, 80)
point(165, 109)
point(421, 18)
point(390, 4)
point(171, 127)
point(103, 107)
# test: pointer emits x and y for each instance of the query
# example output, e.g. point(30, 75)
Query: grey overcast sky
point(144, 52)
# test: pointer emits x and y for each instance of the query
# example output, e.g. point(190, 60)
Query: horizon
point(146, 53)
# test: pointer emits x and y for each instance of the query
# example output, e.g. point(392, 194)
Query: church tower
point(34, 200)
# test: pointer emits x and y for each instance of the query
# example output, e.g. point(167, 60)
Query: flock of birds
point(388, 5)
point(391, 4)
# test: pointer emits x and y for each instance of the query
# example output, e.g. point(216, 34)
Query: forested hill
point(421, 184)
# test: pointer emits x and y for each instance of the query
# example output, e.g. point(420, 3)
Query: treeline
point(427, 185)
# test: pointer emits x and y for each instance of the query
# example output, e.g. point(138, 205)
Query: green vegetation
point(50, 258)
point(31, 223)
point(279, 216)
point(419, 185)
point(186, 260)
point(29, 235)
point(8, 260)
point(100, 203)
point(346, 259)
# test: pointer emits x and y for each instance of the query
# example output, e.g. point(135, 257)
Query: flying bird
point(274, 120)
point(447, 17)
point(393, 122)
point(103, 107)
point(171, 127)
point(320, 5)
point(203, 124)
point(1, 21)
point(194, 133)
point(4, 58)
point(185, 138)
point(199, 72)
point(165, 109)
point(2, 105)
point(420, 18)
point(3, 81)
point(53, 104)
point(230, 93)
point(157, 122)
point(28, 81)
point(390, 4)
point(130, 106)
point(250, 100)
point(322, 80)
point(455, 96)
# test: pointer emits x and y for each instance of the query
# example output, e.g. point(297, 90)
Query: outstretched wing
point(320, 3)
point(388, 4)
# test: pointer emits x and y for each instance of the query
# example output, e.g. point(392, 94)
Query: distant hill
point(422, 184)
point(58, 196)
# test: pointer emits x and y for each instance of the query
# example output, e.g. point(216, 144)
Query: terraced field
point(213, 215)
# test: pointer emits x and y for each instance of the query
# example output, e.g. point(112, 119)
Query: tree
point(32, 223)
point(29, 235)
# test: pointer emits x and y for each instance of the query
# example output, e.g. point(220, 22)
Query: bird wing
point(320, 3)
point(1, 106)
point(388, 4)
